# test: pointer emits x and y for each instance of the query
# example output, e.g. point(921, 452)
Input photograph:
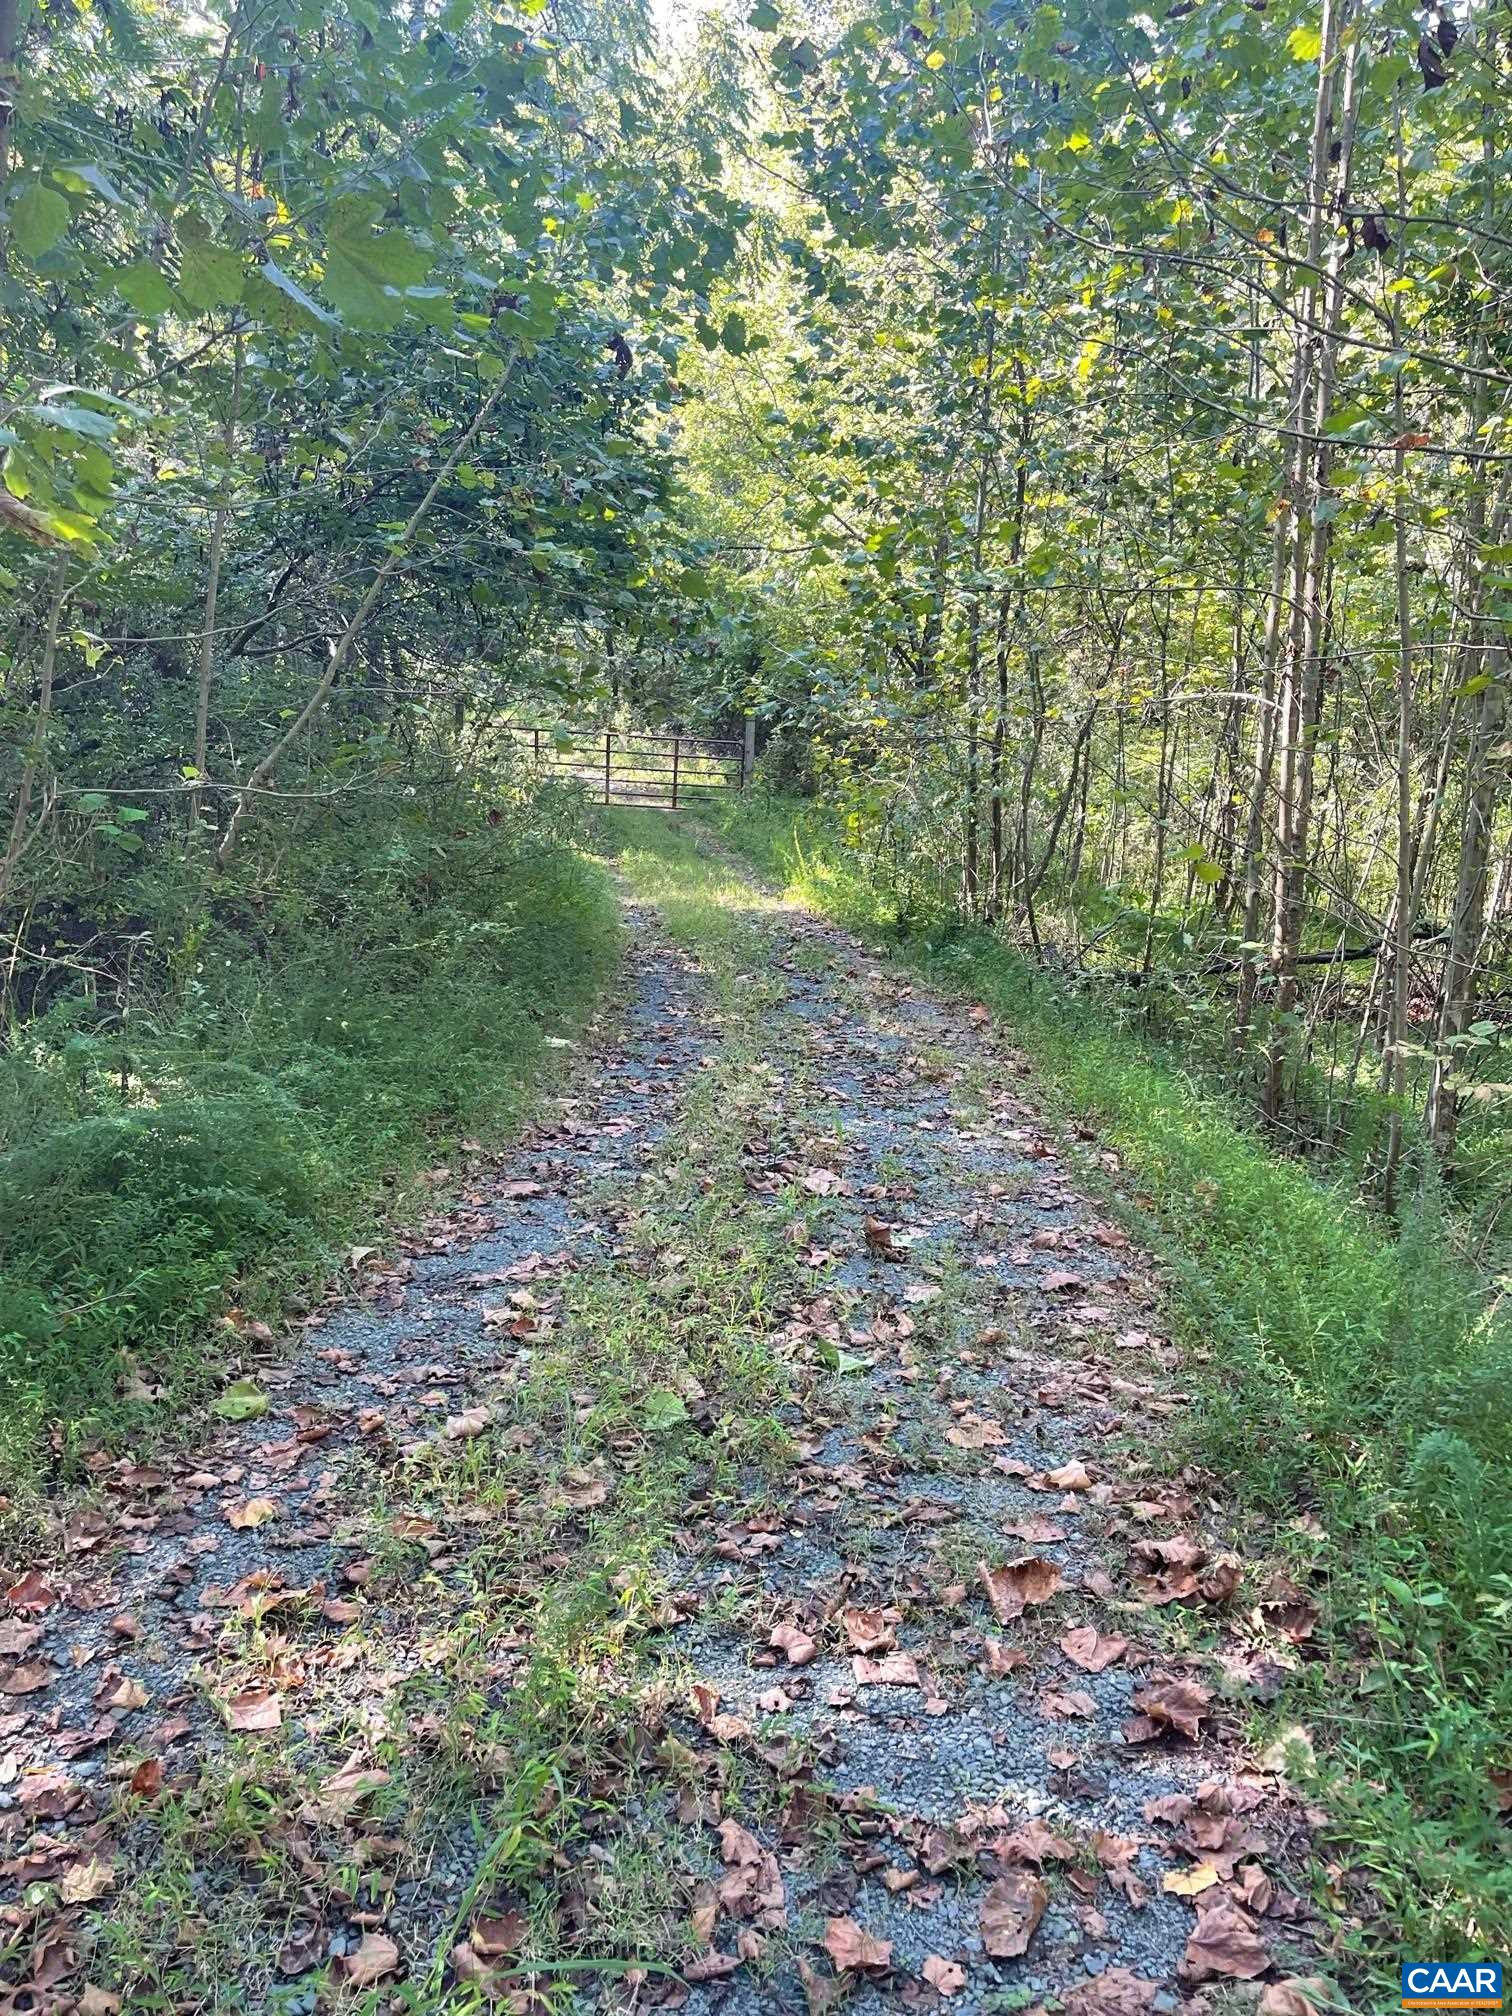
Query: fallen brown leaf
point(1115, 1992)
point(870, 1630)
point(998, 1658)
point(853, 1949)
point(797, 1645)
point(1086, 1647)
point(1224, 1945)
point(376, 1957)
point(1012, 1907)
point(1016, 1585)
point(471, 1422)
point(893, 1669)
point(1170, 1704)
point(1304, 1995)
point(256, 1708)
point(86, 1881)
point(944, 1976)
point(29, 1678)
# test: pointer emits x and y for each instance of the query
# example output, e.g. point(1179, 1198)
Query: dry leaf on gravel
point(375, 1957)
point(752, 1888)
point(1033, 1842)
point(1069, 1477)
point(999, 1659)
point(1086, 1647)
point(944, 1976)
point(147, 1779)
point(255, 1708)
point(1304, 1995)
point(1074, 1703)
point(1168, 1704)
point(86, 1881)
point(820, 1991)
point(1224, 1945)
point(31, 1595)
point(30, 1678)
point(973, 1431)
point(255, 1512)
point(894, 1669)
point(1036, 1531)
point(1116, 1992)
point(797, 1645)
point(1012, 1908)
point(1013, 1587)
point(854, 1950)
point(1190, 1882)
point(870, 1630)
point(709, 1966)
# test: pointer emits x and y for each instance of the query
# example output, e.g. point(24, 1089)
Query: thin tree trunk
point(1302, 684)
point(1401, 969)
point(31, 764)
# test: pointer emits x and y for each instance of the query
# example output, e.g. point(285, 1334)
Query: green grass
point(1352, 1394)
point(301, 1043)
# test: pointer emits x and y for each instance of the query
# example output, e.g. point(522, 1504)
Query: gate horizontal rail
point(635, 767)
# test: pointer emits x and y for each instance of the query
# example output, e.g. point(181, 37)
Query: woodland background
point(1080, 438)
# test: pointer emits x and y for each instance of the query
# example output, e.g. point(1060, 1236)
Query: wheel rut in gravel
point(725, 1560)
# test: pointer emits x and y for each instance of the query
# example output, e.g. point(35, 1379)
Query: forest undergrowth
point(301, 1056)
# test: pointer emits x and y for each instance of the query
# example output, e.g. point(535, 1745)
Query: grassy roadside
point(294, 1051)
point(1352, 1394)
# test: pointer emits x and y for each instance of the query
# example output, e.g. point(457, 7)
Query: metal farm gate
point(622, 766)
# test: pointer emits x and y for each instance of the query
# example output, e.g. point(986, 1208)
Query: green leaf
point(733, 335)
point(764, 18)
point(211, 276)
point(80, 177)
point(1305, 45)
point(144, 288)
point(38, 219)
point(74, 420)
point(243, 1400)
point(663, 1409)
point(276, 277)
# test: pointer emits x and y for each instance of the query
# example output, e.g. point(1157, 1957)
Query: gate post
point(676, 751)
point(608, 735)
point(748, 752)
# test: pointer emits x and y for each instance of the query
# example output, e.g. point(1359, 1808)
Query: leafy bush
point(300, 1045)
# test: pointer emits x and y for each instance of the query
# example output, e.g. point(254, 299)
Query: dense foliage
point(1135, 466)
point(337, 366)
point(1080, 437)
